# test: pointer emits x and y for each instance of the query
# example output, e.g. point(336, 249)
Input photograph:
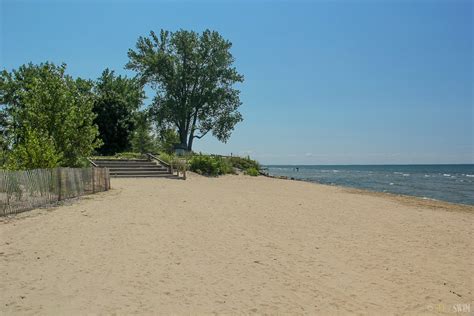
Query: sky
point(326, 82)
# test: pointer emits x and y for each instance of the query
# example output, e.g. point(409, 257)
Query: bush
point(244, 163)
point(252, 172)
point(36, 151)
point(210, 165)
point(168, 158)
point(226, 166)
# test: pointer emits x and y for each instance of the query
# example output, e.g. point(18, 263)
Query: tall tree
point(193, 76)
point(49, 115)
point(116, 104)
point(143, 141)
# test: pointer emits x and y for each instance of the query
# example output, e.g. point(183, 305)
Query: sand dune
point(237, 244)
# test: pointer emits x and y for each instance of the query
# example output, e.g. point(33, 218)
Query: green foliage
point(41, 104)
point(37, 151)
point(218, 165)
point(210, 165)
point(117, 100)
point(193, 76)
point(225, 166)
point(3, 136)
point(142, 140)
point(244, 163)
point(167, 138)
point(169, 158)
point(252, 172)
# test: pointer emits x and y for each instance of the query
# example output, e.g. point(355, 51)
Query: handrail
point(158, 159)
point(92, 163)
point(169, 166)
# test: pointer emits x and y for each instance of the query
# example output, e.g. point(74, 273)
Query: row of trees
point(48, 118)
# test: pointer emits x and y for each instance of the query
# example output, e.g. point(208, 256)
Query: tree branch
point(201, 136)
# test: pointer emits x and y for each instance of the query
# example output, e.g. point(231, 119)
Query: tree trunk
point(191, 134)
point(183, 139)
point(190, 141)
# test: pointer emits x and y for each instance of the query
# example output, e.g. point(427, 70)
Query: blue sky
point(326, 82)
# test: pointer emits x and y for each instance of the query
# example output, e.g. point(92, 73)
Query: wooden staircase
point(135, 168)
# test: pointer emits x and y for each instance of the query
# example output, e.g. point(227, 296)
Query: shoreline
point(418, 200)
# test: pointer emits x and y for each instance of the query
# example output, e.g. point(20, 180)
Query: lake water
point(452, 183)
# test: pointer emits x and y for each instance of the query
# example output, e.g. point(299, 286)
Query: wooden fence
point(25, 190)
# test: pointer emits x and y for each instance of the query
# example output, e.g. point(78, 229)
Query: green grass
point(125, 155)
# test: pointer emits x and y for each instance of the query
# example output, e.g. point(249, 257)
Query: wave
point(441, 183)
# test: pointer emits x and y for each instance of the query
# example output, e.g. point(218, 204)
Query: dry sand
point(237, 244)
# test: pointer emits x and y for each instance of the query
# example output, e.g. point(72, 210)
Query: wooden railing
point(92, 162)
point(178, 165)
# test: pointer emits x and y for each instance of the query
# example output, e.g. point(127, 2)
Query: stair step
point(137, 168)
point(121, 160)
point(168, 176)
point(156, 168)
point(128, 165)
point(124, 163)
point(137, 171)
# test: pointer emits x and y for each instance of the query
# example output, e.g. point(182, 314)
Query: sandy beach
point(237, 244)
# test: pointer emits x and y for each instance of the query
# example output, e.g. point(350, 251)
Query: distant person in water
point(297, 169)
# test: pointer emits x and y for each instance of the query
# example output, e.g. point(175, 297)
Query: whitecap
point(427, 175)
point(391, 183)
point(446, 174)
point(470, 175)
point(406, 174)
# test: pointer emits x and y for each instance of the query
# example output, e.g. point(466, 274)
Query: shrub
point(169, 158)
point(36, 151)
point(252, 172)
point(210, 165)
point(226, 166)
point(244, 163)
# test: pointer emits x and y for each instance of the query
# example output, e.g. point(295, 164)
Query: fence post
point(66, 193)
point(106, 183)
point(93, 179)
point(59, 184)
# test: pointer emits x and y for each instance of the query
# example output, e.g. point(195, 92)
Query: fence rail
point(25, 190)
